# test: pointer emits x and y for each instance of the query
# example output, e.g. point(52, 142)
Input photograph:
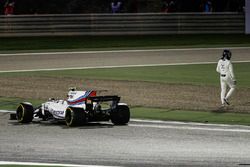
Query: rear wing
point(115, 99)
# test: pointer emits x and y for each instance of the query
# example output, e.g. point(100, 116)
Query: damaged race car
point(80, 108)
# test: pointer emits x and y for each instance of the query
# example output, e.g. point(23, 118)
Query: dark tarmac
point(143, 144)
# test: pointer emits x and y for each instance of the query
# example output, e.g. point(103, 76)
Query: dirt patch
point(147, 94)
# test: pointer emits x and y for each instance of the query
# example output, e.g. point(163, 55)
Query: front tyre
point(121, 115)
point(75, 116)
point(24, 113)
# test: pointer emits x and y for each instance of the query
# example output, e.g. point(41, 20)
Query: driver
point(227, 78)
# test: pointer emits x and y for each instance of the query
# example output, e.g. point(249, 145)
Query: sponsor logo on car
point(57, 112)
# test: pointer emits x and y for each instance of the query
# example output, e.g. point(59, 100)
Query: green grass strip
point(191, 116)
point(11, 103)
point(122, 42)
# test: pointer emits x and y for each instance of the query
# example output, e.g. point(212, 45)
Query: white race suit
point(225, 68)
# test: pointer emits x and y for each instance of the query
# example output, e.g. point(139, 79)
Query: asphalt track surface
point(138, 144)
point(33, 61)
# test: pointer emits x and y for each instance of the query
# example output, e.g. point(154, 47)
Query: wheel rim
point(20, 113)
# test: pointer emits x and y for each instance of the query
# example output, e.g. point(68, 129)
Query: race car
point(79, 108)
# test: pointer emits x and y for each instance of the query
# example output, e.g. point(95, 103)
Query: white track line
point(118, 51)
point(49, 164)
point(190, 128)
point(121, 66)
point(180, 123)
point(6, 111)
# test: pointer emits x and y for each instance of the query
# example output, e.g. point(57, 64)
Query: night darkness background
point(103, 6)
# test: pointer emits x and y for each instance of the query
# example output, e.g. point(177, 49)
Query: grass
point(11, 103)
point(218, 117)
point(18, 44)
point(188, 74)
point(204, 75)
point(184, 74)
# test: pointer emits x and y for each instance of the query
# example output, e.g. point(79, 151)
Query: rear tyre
point(24, 113)
point(121, 115)
point(75, 117)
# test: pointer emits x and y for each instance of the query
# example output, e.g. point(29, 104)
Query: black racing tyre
point(24, 113)
point(121, 115)
point(75, 116)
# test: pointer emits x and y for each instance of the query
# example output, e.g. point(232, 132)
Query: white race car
point(79, 108)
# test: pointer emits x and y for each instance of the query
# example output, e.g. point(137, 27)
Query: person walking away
point(227, 78)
